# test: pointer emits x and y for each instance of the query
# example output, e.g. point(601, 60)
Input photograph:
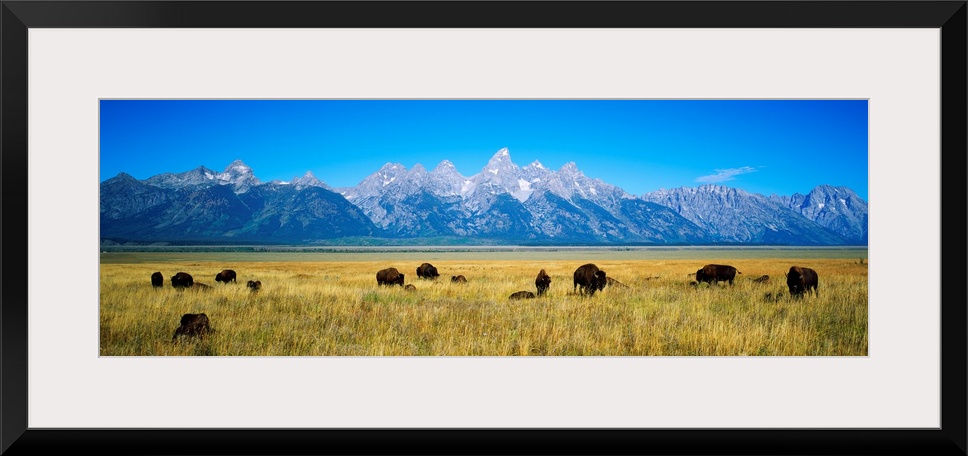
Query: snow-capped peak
point(239, 176)
point(499, 160)
point(446, 164)
point(570, 169)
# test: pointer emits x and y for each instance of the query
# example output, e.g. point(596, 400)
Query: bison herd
point(588, 278)
point(197, 325)
point(183, 280)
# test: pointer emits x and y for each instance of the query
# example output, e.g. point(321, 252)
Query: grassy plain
point(332, 306)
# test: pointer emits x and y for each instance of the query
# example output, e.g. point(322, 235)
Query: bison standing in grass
point(226, 276)
point(389, 276)
point(182, 280)
point(542, 282)
point(157, 280)
point(192, 325)
point(588, 279)
point(800, 280)
point(427, 271)
point(714, 273)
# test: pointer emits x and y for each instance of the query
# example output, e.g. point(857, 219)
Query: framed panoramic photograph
point(463, 227)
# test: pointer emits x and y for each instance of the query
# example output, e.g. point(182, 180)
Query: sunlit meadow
point(336, 308)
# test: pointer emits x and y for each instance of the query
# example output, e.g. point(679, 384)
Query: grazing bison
point(226, 276)
point(182, 280)
point(427, 271)
point(157, 280)
point(542, 282)
point(589, 278)
point(389, 276)
point(800, 280)
point(713, 273)
point(458, 279)
point(521, 295)
point(762, 279)
point(192, 325)
point(255, 285)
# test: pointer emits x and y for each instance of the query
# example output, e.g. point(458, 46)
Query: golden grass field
point(336, 308)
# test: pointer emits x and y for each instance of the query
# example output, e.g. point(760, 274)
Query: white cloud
point(723, 175)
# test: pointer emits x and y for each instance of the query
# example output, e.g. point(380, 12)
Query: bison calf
point(521, 295)
point(800, 280)
point(157, 280)
point(226, 276)
point(714, 273)
point(192, 325)
point(542, 282)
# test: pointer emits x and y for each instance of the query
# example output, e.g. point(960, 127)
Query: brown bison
point(458, 279)
point(389, 276)
point(800, 280)
point(542, 282)
point(157, 280)
point(255, 285)
point(182, 280)
point(192, 325)
point(226, 276)
point(521, 295)
point(714, 273)
point(589, 278)
point(427, 271)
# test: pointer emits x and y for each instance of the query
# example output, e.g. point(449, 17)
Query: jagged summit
point(500, 203)
point(307, 180)
point(500, 162)
point(239, 175)
point(445, 164)
point(238, 166)
point(570, 168)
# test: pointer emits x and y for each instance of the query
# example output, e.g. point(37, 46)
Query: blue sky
point(762, 146)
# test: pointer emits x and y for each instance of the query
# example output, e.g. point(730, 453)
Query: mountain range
point(501, 204)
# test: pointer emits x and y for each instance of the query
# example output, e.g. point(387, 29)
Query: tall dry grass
point(337, 309)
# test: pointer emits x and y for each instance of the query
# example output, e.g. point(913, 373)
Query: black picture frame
point(18, 16)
